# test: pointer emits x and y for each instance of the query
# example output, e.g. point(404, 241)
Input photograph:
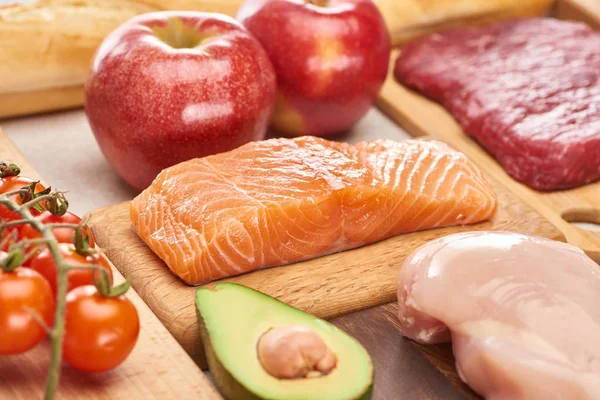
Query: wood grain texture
point(587, 11)
point(423, 117)
point(404, 369)
point(158, 368)
point(326, 287)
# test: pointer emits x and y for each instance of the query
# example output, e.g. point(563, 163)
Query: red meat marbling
point(527, 90)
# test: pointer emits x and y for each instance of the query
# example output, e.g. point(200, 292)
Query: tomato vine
point(21, 202)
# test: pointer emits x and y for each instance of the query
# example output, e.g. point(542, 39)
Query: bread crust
point(46, 46)
point(50, 43)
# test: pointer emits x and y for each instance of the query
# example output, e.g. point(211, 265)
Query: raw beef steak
point(527, 90)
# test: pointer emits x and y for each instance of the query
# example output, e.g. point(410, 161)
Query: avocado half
point(232, 320)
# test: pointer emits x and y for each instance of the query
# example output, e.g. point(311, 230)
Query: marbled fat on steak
point(527, 90)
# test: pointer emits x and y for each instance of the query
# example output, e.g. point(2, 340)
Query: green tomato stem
point(29, 242)
point(38, 319)
point(14, 192)
point(9, 169)
point(59, 316)
point(57, 332)
point(96, 267)
point(4, 225)
point(61, 225)
point(35, 202)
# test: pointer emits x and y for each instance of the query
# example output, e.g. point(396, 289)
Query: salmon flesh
point(279, 201)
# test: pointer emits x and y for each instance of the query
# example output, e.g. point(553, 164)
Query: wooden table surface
point(157, 368)
point(61, 147)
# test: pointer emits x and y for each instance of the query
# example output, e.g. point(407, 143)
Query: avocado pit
point(294, 352)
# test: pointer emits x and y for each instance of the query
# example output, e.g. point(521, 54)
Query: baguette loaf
point(46, 46)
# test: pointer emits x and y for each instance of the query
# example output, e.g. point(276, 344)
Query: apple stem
point(318, 3)
point(8, 169)
point(179, 36)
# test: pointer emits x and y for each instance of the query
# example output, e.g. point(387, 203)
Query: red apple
point(331, 58)
point(166, 87)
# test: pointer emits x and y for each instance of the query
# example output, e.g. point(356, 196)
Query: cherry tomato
point(43, 263)
point(10, 184)
point(19, 331)
point(62, 235)
point(100, 332)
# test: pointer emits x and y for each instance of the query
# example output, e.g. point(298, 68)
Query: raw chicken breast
point(523, 313)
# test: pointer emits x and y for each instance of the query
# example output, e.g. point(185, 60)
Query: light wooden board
point(420, 116)
point(158, 368)
point(327, 287)
point(408, 19)
point(587, 11)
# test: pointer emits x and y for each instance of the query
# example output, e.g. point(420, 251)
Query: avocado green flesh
point(235, 317)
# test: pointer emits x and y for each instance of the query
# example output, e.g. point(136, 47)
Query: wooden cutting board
point(587, 11)
point(158, 368)
point(420, 116)
point(327, 287)
point(408, 19)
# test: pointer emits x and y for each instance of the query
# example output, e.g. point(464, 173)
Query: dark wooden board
point(403, 368)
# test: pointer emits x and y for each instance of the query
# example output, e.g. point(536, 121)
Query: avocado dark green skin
point(226, 383)
point(368, 393)
point(199, 353)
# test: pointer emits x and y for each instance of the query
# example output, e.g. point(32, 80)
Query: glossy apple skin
point(330, 61)
point(151, 106)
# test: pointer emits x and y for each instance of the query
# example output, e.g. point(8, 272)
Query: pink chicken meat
point(527, 90)
point(523, 313)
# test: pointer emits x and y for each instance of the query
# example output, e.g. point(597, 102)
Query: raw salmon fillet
point(521, 311)
point(278, 201)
